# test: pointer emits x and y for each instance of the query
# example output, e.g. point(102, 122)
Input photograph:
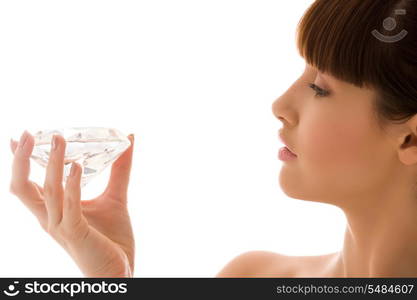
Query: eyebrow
point(321, 74)
point(326, 79)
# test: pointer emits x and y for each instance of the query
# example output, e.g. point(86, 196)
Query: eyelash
point(319, 91)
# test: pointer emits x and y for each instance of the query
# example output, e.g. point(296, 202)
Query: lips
point(282, 139)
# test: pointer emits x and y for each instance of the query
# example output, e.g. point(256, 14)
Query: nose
point(276, 111)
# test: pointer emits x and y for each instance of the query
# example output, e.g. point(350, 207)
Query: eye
point(319, 91)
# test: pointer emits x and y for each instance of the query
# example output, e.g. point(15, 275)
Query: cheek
point(339, 156)
point(331, 145)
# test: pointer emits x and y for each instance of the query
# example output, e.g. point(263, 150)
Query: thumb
point(120, 173)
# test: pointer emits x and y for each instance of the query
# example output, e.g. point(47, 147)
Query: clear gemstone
point(94, 148)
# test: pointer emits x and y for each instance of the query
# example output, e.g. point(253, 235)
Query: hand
point(96, 233)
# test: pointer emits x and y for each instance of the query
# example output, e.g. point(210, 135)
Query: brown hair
point(339, 37)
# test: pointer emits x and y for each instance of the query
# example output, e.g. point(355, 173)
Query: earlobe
point(408, 156)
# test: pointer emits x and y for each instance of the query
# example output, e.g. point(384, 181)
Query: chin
point(290, 187)
point(295, 190)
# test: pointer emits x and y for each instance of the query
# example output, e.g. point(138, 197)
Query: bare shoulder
point(271, 264)
point(252, 263)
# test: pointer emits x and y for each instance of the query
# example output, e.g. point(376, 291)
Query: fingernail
point(23, 139)
point(72, 172)
point(54, 142)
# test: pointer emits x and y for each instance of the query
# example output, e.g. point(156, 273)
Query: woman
point(350, 121)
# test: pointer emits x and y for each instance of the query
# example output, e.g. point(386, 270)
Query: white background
point(195, 81)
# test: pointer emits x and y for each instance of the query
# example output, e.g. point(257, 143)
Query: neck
point(381, 238)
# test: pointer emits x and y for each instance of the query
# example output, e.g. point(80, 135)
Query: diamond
point(94, 148)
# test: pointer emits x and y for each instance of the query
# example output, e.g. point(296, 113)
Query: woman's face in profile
point(342, 154)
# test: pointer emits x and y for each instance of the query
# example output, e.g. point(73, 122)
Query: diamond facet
point(94, 148)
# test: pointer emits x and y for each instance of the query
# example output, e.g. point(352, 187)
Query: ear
point(407, 150)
